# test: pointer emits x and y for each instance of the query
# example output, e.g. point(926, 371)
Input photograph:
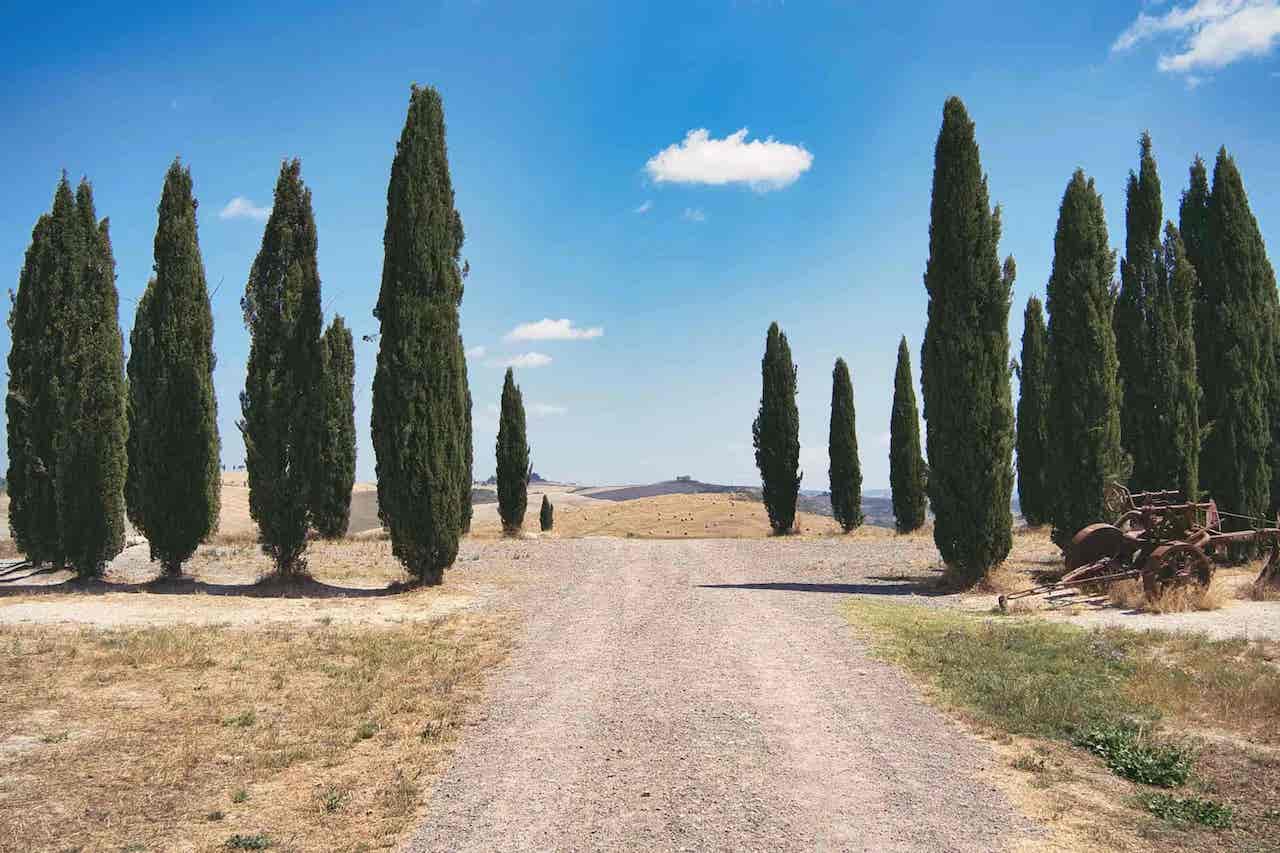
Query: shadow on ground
point(272, 587)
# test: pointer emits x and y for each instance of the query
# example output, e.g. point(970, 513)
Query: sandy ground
point(708, 695)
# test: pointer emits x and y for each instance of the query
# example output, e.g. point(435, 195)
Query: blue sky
point(555, 113)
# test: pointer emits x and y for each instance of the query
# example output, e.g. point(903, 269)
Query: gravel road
point(708, 695)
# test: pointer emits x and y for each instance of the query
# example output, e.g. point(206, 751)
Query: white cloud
point(1212, 33)
point(242, 208)
point(700, 159)
point(547, 329)
point(694, 214)
point(546, 409)
point(525, 359)
point(645, 207)
point(476, 352)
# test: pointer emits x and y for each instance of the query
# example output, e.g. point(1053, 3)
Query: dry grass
point(1183, 598)
point(176, 738)
point(1260, 592)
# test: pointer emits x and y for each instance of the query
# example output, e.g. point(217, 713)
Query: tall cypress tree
point(336, 469)
point(546, 515)
point(468, 449)
point(1033, 421)
point(91, 460)
point(172, 490)
point(908, 475)
point(776, 432)
point(968, 407)
point(513, 457)
point(1236, 344)
point(1084, 398)
point(420, 384)
point(842, 449)
point(281, 403)
point(1193, 226)
point(1134, 320)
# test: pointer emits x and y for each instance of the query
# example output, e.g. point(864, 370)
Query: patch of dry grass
point(1182, 598)
point(322, 738)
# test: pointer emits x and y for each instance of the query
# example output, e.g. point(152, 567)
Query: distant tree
point(968, 406)
point(1134, 321)
point(336, 469)
point(172, 489)
point(842, 446)
point(1084, 397)
point(281, 404)
point(92, 464)
point(1033, 418)
point(513, 457)
point(908, 475)
point(546, 516)
point(420, 383)
point(776, 433)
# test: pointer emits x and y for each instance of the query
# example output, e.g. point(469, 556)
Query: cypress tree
point(1084, 398)
point(91, 460)
point(336, 471)
point(420, 385)
point(1134, 321)
point(842, 447)
point(1175, 421)
point(1193, 226)
point(908, 475)
point(1033, 424)
point(513, 457)
point(546, 516)
point(776, 433)
point(968, 407)
point(281, 404)
point(172, 490)
point(1236, 345)
point(468, 449)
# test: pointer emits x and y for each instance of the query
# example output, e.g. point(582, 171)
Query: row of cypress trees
point(776, 437)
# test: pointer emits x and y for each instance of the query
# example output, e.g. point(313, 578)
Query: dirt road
point(708, 695)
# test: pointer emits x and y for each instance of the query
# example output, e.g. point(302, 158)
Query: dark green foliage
point(1084, 398)
point(91, 460)
point(336, 471)
point(1033, 417)
point(968, 407)
point(1174, 423)
point(173, 491)
point(1131, 752)
point(468, 445)
point(1193, 225)
point(282, 405)
point(546, 516)
point(513, 457)
point(1134, 322)
point(1188, 810)
point(908, 476)
point(776, 432)
point(842, 447)
point(1237, 348)
point(420, 384)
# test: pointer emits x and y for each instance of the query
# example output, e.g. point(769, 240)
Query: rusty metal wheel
point(1116, 499)
point(1175, 564)
point(1094, 542)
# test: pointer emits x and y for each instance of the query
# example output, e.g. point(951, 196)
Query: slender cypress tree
point(336, 471)
point(776, 433)
point(546, 516)
point(842, 448)
point(468, 448)
point(1033, 418)
point(1134, 320)
point(1193, 226)
point(91, 459)
point(1084, 398)
point(420, 384)
point(172, 490)
point(968, 407)
point(281, 404)
point(513, 457)
point(908, 475)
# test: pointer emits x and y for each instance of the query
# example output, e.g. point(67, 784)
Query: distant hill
point(535, 477)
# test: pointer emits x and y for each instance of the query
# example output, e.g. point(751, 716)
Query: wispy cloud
point(242, 208)
point(701, 159)
point(524, 360)
point(547, 329)
point(543, 410)
point(645, 207)
point(1210, 33)
point(477, 351)
point(694, 214)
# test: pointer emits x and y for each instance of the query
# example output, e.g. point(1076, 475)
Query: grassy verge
point(297, 738)
point(1162, 711)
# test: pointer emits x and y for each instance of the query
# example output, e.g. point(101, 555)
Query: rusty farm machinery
point(1159, 538)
